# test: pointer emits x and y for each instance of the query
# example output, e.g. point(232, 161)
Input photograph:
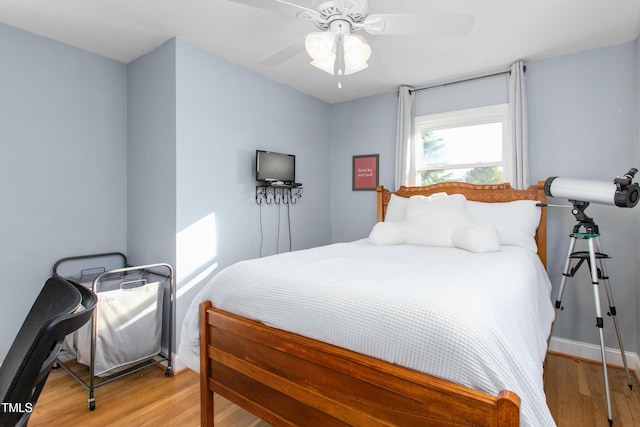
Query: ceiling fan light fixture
point(350, 69)
point(325, 65)
point(356, 53)
point(320, 46)
point(323, 47)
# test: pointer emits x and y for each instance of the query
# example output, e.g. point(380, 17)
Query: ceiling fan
point(336, 48)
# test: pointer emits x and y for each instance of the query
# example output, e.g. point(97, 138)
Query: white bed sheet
point(479, 320)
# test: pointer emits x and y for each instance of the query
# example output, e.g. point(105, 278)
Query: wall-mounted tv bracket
point(278, 194)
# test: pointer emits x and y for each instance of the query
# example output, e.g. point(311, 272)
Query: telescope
point(622, 192)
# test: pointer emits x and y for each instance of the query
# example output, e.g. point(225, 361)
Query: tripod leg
point(565, 273)
point(599, 322)
point(612, 311)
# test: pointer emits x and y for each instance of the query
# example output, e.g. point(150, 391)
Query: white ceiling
point(504, 31)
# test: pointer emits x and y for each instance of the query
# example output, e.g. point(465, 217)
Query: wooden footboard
point(290, 380)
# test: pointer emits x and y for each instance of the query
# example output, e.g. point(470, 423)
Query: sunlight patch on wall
point(196, 279)
point(196, 250)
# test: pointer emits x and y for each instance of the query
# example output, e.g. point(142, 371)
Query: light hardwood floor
point(574, 390)
point(576, 397)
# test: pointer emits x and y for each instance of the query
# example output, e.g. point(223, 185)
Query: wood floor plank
point(584, 403)
point(574, 390)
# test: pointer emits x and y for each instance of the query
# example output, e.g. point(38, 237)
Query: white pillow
point(424, 205)
point(516, 222)
point(431, 220)
point(388, 233)
point(476, 237)
point(396, 208)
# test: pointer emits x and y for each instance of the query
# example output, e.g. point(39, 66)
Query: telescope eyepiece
point(626, 178)
point(632, 172)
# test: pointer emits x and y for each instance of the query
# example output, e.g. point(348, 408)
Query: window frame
point(461, 118)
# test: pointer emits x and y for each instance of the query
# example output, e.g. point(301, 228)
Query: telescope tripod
point(595, 261)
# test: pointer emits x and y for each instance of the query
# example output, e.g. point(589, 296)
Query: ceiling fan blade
point(284, 7)
point(419, 24)
point(284, 54)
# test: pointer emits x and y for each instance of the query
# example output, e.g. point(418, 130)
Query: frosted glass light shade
point(321, 46)
point(356, 54)
point(325, 65)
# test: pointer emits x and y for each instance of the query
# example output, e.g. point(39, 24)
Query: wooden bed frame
point(290, 380)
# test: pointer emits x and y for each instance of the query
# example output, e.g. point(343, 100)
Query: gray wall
point(472, 94)
point(363, 126)
point(582, 124)
point(151, 165)
point(62, 169)
point(151, 152)
point(225, 113)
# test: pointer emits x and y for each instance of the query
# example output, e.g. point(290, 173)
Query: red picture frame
point(365, 172)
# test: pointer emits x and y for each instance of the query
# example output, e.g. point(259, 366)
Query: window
point(468, 145)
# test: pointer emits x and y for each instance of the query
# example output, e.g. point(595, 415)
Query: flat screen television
point(272, 167)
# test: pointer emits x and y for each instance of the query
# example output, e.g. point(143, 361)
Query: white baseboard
point(177, 364)
point(592, 352)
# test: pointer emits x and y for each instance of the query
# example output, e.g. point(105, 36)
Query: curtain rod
point(486, 76)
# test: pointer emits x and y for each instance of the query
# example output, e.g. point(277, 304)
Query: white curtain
point(519, 173)
point(405, 142)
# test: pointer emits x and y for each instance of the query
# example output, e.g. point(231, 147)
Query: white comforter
point(479, 320)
